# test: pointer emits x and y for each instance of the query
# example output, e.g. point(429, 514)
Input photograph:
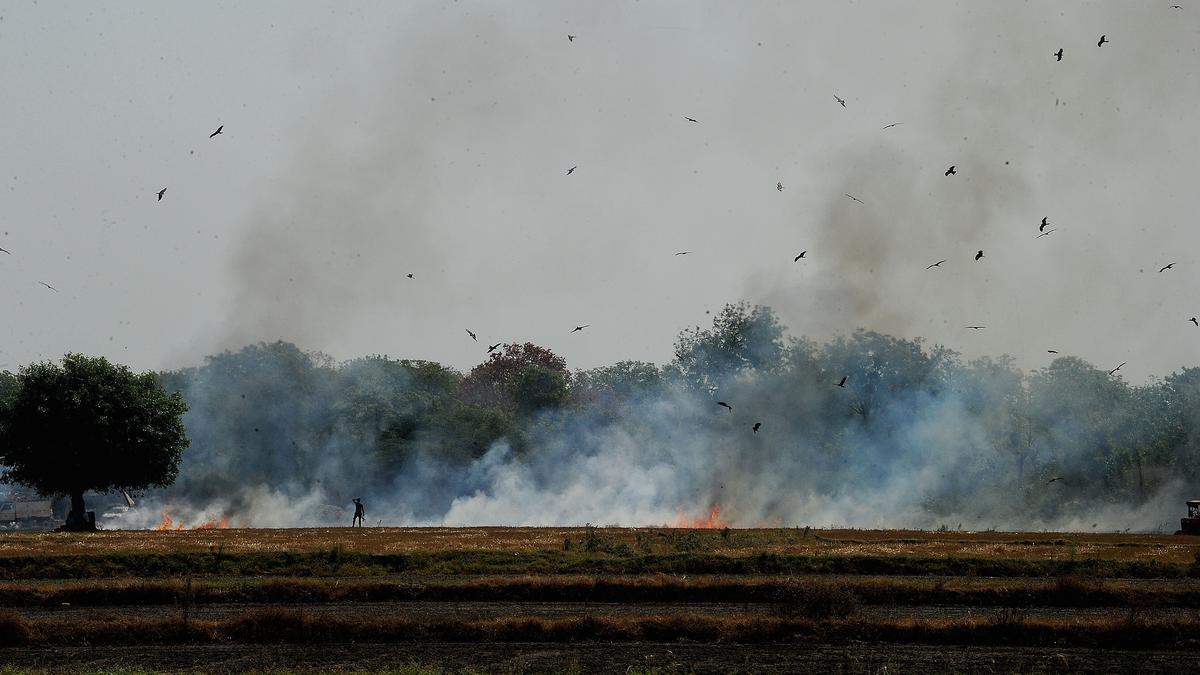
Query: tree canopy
point(88, 424)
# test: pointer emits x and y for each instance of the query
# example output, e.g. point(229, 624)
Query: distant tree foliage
point(88, 424)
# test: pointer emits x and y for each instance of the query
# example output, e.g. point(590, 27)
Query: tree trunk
point(77, 519)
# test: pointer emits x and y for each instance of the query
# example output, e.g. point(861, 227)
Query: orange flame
point(713, 521)
point(168, 524)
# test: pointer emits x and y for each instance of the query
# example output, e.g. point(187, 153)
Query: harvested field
point(779, 599)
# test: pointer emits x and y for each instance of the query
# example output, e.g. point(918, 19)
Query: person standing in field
point(359, 512)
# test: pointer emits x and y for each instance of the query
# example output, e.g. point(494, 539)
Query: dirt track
point(608, 658)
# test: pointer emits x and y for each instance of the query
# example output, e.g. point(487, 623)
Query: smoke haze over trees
point(918, 437)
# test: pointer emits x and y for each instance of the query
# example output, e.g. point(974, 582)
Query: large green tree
point(89, 424)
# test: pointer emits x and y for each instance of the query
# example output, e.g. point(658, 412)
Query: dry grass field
point(597, 599)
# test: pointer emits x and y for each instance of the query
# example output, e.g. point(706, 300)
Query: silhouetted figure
point(48, 286)
point(1046, 233)
point(843, 382)
point(1053, 479)
point(2, 250)
point(1114, 370)
point(951, 171)
point(578, 329)
point(1058, 54)
point(1103, 39)
point(1051, 351)
point(1045, 222)
point(1164, 269)
point(570, 38)
point(976, 327)
point(359, 512)
point(1193, 320)
point(936, 264)
point(493, 347)
point(161, 193)
point(409, 276)
point(840, 100)
point(979, 254)
point(571, 170)
point(779, 186)
point(756, 427)
point(725, 405)
point(217, 131)
point(797, 258)
point(854, 198)
point(683, 253)
point(694, 121)
point(472, 335)
point(893, 124)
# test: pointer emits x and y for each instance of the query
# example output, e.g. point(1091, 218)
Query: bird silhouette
point(779, 186)
point(1103, 39)
point(161, 193)
point(854, 198)
point(1047, 232)
point(493, 347)
point(683, 253)
point(756, 427)
point(409, 276)
point(951, 171)
point(1114, 370)
point(936, 264)
point(1045, 222)
point(694, 121)
point(469, 332)
point(571, 170)
point(1053, 479)
point(843, 382)
point(979, 254)
point(578, 329)
point(1176, 7)
point(48, 286)
point(840, 100)
point(725, 405)
point(893, 124)
point(976, 327)
point(4, 250)
point(1167, 267)
point(1051, 351)
point(1193, 319)
point(797, 258)
point(570, 38)
point(1058, 54)
point(217, 131)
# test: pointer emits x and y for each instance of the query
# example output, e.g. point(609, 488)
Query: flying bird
point(217, 131)
point(493, 347)
point(3, 250)
point(694, 121)
point(1164, 269)
point(1058, 54)
point(843, 382)
point(951, 171)
point(725, 405)
point(936, 264)
point(893, 124)
point(409, 276)
point(1045, 222)
point(779, 186)
point(1176, 7)
point(1114, 370)
point(1051, 351)
point(571, 170)
point(578, 329)
point(797, 258)
point(472, 335)
point(979, 254)
point(1103, 39)
point(48, 286)
point(683, 253)
point(854, 198)
point(976, 327)
point(840, 100)
point(570, 38)
point(756, 427)
point(1053, 229)
point(161, 193)
point(1193, 319)
point(1053, 479)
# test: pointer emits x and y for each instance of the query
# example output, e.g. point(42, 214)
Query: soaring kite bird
point(1164, 269)
point(725, 405)
point(936, 264)
point(1051, 351)
point(578, 329)
point(570, 38)
point(843, 382)
point(797, 258)
point(854, 198)
point(756, 427)
point(48, 286)
point(779, 186)
point(893, 124)
point(472, 335)
point(840, 100)
point(1058, 54)
point(694, 121)
point(1045, 222)
point(1114, 370)
point(161, 193)
point(5, 251)
point(951, 171)
point(217, 131)
point(979, 255)
point(1193, 319)
point(571, 170)
point(493, 347)
point(1103, 39)
point(976, 327)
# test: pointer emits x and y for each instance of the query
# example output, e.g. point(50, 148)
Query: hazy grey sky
point(364, 144)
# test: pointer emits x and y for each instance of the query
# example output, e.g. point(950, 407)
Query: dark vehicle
point(1191, 524)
